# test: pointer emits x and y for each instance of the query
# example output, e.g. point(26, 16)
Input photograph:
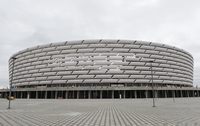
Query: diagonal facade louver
point(101, 62)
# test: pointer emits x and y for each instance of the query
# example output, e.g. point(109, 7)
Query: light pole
point(152, 84)
point(11, 81)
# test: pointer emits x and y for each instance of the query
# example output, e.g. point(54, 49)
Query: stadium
point(101, 69)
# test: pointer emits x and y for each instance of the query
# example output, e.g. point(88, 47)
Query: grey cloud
point(27, 23)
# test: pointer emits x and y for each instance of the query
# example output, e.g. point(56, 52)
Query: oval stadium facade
point(101, 64)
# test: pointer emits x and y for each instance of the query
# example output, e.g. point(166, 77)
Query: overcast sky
point(26, 23)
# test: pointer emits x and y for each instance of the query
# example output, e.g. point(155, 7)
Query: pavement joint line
point(104, 112)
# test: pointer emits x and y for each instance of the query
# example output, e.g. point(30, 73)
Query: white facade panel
point(102, 61)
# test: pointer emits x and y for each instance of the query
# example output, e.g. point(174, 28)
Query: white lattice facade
point(101, 62)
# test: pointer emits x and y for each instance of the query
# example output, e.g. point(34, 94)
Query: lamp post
point(153, 90)
point(152, 84)
point(11, 81)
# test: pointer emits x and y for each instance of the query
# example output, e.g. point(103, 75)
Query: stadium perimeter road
point(101, 112)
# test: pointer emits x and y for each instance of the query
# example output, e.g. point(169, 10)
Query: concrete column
point(124, 94)
point(36, 94)
point(188, 94)
point(89, 94)
point(181, 93)
point(112, 94)
point(56, 94)
point(77, 94)
point(146, 93)
point(135, 93)
point(45, 95)
point(28, 95)
point(100, 94)
point(156, 94)
point(172, 94)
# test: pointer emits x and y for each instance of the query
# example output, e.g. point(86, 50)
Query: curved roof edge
point(90, 41)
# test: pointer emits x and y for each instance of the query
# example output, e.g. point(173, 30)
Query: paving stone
point(101, 112)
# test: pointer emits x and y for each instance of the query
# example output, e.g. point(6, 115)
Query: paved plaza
point(101, 112)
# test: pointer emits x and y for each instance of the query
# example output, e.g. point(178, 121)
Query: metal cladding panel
point(137, 76)
point(37, 74)
point(27, 76)
point(120, 76)
point(74, 81)
point(126, 80)
point(109, 41)
point(102, 49)
point(58, 68)
point(54, 77)
point(137, 50)
point(114, 71)
point(49, 49)
point(91, 81)
point(85, 50)
point(74, 42)
point(102, 61)
point(91, 41)
point(36, 63)
point(80, 72)
point(109, 80)
point(30, 79)
point(115, 45)
point(69, 77)
point(53, 52)
point(36, 51)
point(97, 71)
point(45, 70)
point(126, 42)
point(142, 81)
point(103, 76)
point(86, 76)
point(45, 82)
point(120, 50)
point(58, 81)
point(79, 46)
point(44, 58)
point(158, 81)
point(33, 82)
point(69, 51)
point(41, 78)
point(131, 72)
point(63, 47)
point(58, 44)
point(49, 73)
point(97, 45)
point(132, 46)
